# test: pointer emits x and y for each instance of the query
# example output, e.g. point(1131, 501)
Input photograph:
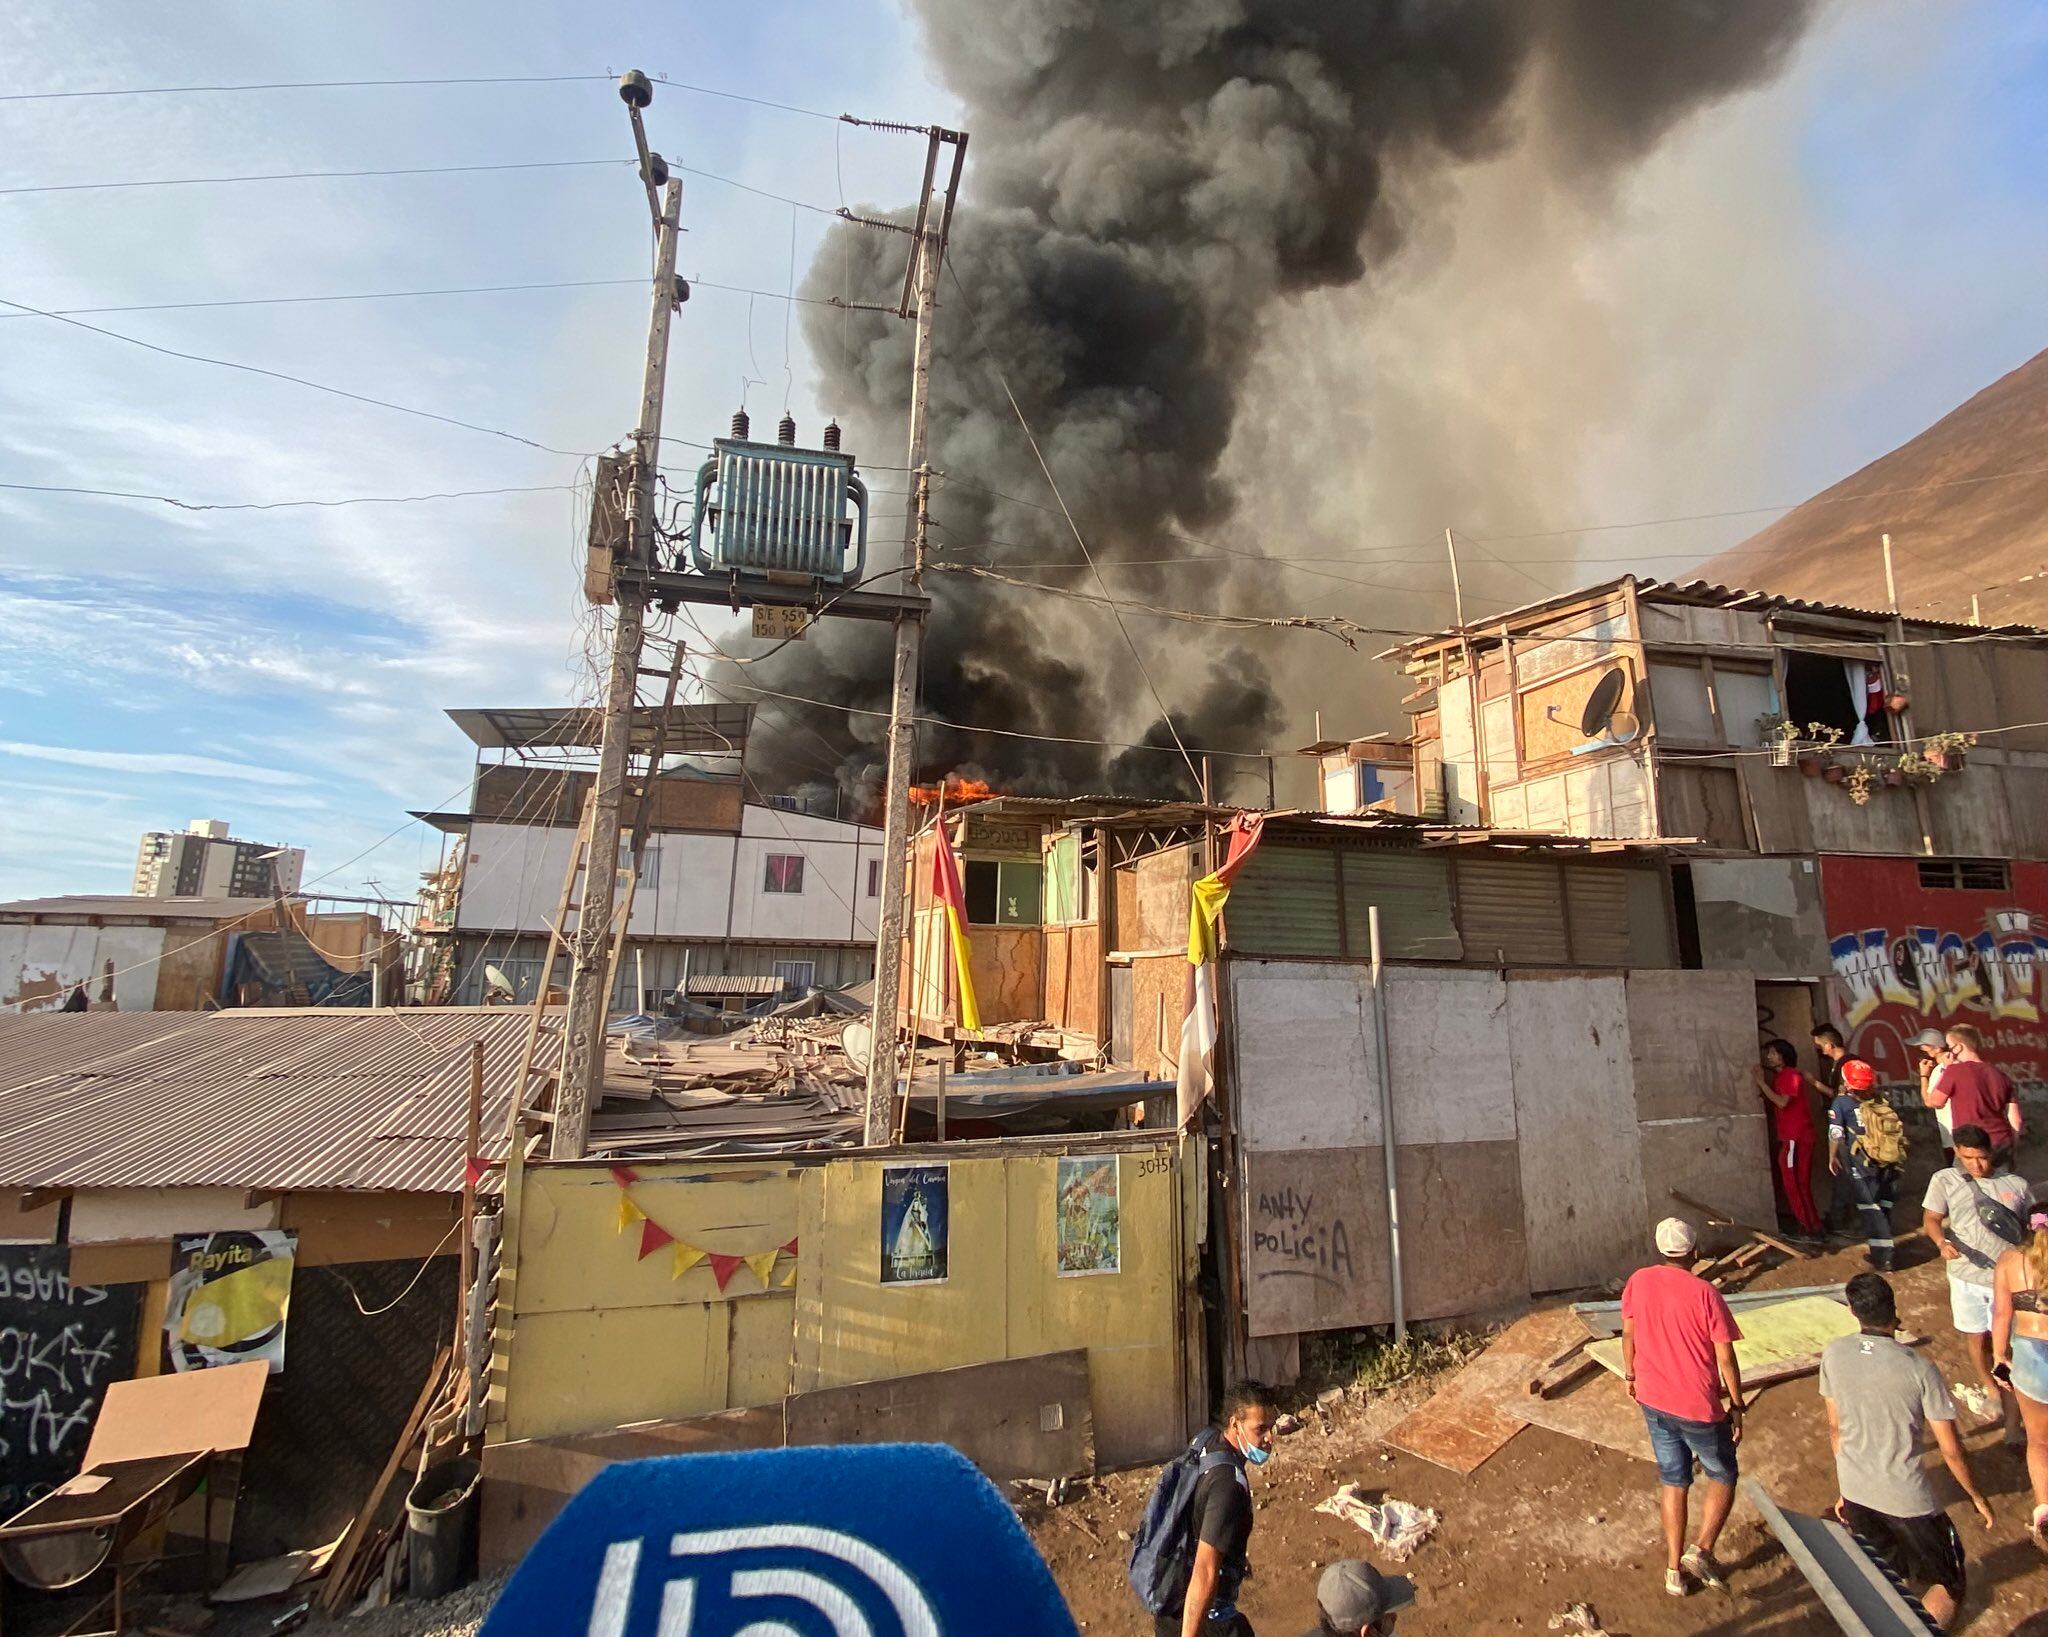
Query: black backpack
point(1163, 1546)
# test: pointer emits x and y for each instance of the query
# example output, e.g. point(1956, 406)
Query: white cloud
point(151, 764)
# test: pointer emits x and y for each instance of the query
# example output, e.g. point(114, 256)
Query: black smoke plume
point(1145, 185)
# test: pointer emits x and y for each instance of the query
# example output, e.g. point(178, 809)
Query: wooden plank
point(336, 1591)
point(1016, 1418)
point(526, 1483)
point(189, 1412)
point(1715, 1215)
point(1581, 1169)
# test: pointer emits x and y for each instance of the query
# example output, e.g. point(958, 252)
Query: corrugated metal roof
point(275, 1099)
point(187, 909)
point(714, 983)
point(1692, 591)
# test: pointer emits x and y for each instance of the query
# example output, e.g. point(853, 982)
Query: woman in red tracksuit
point(1793, 1135)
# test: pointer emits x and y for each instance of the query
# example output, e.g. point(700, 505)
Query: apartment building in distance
point(204, 861)
point(740, 895)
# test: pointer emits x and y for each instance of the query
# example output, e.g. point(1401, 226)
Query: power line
point(296, 380)
point(316, 176)
point(400, 295)
point(451, 80)
point(280, 505)
point(1330, 625)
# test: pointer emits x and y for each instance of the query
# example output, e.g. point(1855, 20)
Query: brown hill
point(1960, 520)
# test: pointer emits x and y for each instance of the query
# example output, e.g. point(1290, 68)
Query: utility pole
point(928, 254)
point(581, 1080)
point(1457, 591)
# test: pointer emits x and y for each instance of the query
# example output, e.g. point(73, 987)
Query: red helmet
point(1858, 1075)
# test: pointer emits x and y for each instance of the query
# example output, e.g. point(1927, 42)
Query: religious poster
point(1087, 1234)
point(229, 1295)
point(913, 1224)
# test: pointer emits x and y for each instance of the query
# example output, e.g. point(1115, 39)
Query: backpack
point(1163, 1547)
point(1884, 1134)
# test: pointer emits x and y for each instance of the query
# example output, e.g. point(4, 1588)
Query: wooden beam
point(256, 1198)
point(35, 1199)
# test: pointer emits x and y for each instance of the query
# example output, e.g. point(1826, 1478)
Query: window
point(1966, 874)
point(797, 975)
point(785, 873)
point(1817, 690)
point(784, 804)
point(1003, 893)
point(650, 861)
point(874, 878)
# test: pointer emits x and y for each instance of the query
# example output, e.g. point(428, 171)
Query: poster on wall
point(60, 1346)
point(1088, 1237)
point(229, 1295)
point(913, 1224)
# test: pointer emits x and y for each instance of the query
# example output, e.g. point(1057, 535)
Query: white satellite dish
point(857, 1040)
point(496, 983)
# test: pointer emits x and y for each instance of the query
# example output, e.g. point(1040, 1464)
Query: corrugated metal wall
point(1512, 910)
point(1413, 892)
point(1285, 903)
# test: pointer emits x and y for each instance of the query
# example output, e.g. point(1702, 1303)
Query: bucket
point(440, 1527)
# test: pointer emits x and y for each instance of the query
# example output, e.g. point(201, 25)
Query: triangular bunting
point(624, 1175)
point(788, 1278)
point(685, 1258)
point(790, 1247)
point(629, 1213)
point(763, 1264)
point(723, 1267)
point(652, 1237)
point(474, 1171)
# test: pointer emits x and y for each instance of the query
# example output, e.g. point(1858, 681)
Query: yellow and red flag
point(947, 892)
point(1199, 1031)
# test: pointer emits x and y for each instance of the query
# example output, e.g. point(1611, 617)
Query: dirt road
point(1550, 1521)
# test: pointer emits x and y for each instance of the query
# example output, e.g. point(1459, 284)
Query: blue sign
point(880, 1540)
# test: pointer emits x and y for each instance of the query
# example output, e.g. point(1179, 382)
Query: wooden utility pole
point(1457, 591)
point(928, 254)
point(590, 979)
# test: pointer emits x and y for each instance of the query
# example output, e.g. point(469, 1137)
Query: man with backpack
point(1188, 1554)
point(1974, 1212)
point(1866, 1150)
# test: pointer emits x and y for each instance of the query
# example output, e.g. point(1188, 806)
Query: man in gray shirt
point(1883, 1401)
point(1963, 1202)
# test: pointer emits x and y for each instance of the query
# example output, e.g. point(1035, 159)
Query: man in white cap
point(1678, 1356)
point(1353, 1599)
point(1930, 1048)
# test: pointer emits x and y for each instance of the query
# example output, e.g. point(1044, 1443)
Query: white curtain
point(1859, 699)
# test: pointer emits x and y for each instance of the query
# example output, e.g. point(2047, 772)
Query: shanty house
point(1864, 796)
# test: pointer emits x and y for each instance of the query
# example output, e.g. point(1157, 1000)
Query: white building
point(204, 861)
point(731, 886)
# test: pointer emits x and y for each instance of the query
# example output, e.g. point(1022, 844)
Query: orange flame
point(956, 789)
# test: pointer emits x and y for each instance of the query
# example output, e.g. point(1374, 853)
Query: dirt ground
point(1550, 1521)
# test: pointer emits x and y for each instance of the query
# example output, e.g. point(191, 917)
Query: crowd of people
point(1886, 1402)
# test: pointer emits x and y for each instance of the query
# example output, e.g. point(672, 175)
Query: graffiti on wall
point(1906, 958)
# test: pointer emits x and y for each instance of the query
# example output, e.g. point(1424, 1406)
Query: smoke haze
point(1201, 242)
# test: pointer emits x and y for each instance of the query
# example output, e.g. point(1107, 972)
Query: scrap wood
point(1780, 1339)
point(346, 1555)
point(1720, 1218)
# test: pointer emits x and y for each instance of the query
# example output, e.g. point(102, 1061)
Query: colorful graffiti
point(1908, 957)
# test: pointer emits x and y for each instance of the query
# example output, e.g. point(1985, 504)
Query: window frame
point(768, 874)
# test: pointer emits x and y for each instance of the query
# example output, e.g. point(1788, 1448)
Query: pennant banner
point(652, 1237)
point(723, 1267)
point(629, 1213)
point(686, 1257)
point(1199, 1032)
point(947, 890)
point(683, 1256)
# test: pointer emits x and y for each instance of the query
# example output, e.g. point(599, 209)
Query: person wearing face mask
point(1220, 1519)
point(1353, 1599)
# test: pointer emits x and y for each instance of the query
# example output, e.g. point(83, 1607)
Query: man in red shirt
point(1678, 1355)
point(1976, 1092)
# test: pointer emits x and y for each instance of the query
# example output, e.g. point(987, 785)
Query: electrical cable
point(316, 176)
point(1329, 625)
point(378, 1312)
point(280, 505)
point(296, 380)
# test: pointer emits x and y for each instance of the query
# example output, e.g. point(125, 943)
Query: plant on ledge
point(1946, 751)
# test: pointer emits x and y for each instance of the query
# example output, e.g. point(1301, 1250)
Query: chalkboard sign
point(60, 1344)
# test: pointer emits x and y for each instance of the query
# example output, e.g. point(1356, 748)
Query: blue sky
point(1880, 210)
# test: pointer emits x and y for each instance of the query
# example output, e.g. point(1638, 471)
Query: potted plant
point(1917, 769)
point(1861, 780)
point(1896, 702)
point(1780, 737)
point(1835, 773)
point(1946, 752)
point(1816, 751)
point(1894, 777)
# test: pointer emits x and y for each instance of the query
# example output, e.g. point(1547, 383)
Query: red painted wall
point(1908, 957)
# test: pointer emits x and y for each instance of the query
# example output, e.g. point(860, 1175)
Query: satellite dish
point(857, 1040)
point(1622, 727)
point(497, 983)
point(1600, 704)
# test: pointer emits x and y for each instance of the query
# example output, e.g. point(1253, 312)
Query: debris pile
point(1396, 1527)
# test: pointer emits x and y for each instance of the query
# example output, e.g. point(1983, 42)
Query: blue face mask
point(1257, 1456)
